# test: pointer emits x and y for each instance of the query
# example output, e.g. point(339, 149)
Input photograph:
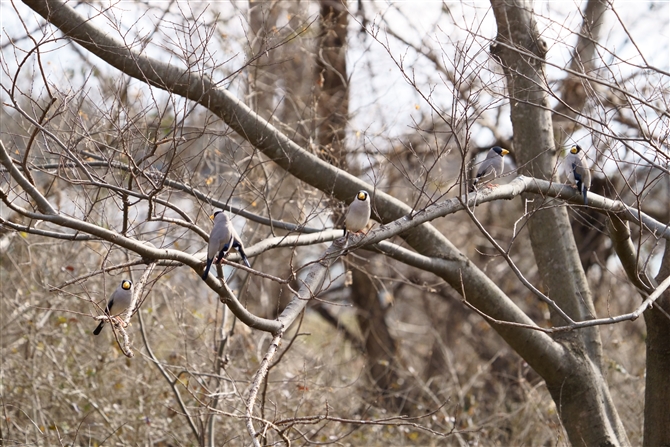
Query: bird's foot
point(119, 322)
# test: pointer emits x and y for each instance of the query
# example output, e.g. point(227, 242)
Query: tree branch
point(42, 203)
point(619, 233)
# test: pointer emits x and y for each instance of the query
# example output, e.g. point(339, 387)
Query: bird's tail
point(243, 256)
point(209, 264)
point(99, 328)
point(585, 190)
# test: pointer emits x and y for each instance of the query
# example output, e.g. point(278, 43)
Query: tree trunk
point(657, 391)
point(380, 347)
point(585, 59)
point(332, 82)
point(332, 109)
point(579, 390)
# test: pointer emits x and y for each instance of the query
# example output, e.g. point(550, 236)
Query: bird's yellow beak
point(361, 196)
point(125, 285)
point(504, 152)
point(212, 217)
point(573, 150)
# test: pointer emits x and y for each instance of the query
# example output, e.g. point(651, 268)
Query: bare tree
point(119, 182)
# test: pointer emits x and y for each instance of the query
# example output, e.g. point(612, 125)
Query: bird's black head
point(362, 195)
point(500, 151)
point(575, 149)
point(126, 284)
point(215, 214)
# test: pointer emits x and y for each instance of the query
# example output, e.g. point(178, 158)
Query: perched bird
point(221, 239)
point(491, 167)
point(118, 302)
point(577, 170)
point(358, 214)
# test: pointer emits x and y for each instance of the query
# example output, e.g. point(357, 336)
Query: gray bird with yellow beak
point(118, 302)
point(491, 167)
point(577, 170)
point(222, 238)
point(358, 214)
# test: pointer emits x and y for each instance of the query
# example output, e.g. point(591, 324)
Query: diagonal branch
point(43, 204)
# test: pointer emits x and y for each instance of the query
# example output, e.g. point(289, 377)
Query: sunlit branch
point(327, 235)
point(312, 284)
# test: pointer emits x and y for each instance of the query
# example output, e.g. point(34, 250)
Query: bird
point(358, 214)
point(577, 170)
point(118, 302)
point(221, 239)
point(492, 166)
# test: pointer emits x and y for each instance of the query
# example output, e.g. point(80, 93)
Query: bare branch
point(133, 308)
point(256, 384)
point(42, 203)
point(619, 233)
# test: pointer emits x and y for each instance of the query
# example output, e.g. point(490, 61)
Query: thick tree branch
point(657, 379)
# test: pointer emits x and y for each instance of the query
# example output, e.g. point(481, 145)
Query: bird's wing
point(486, 167)
point(218, 240)
point(577, 171)
point(572, 168)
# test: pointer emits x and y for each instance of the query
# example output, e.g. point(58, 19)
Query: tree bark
point(580, 390)
point(657, 382)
